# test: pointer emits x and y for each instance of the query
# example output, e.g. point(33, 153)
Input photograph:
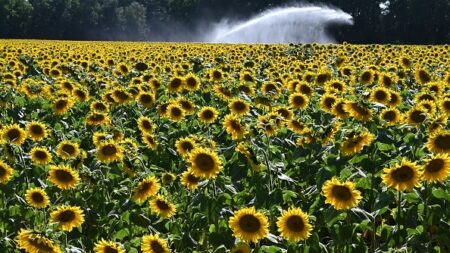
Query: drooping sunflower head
point(358, 111)
point(6, 172)
point(33, 242)
point(205, 163)
point(40, 155)
point(436, 168)
point(294, 225)
point(162, 207)
point(249, 225)
point(13, 134)
point(37, 131)
point(341, 195)
point(67, 217)
point(189, 180)
point(168, 178)
point(67, 150)
point(148, 187)
point(271, 88)
point(402, 176)
point(208, 114)
point(109, 151)
point(104, 246)
point(355, 144)
point(64, 177)
point(154, 244)
point(97, 119)
point(37, 198)
point(439, 142)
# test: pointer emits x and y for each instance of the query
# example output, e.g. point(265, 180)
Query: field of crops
point(153, 147)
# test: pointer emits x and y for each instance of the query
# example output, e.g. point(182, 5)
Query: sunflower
point(380, 95)
point(63, 177)
point(80, 94)
point(175, 112)
point(267, 125)
point(32, 242)
point(154, 244)
point(145, 124)
point(204, 163)
point(390, 116)
point(208, 114)
point(150, 141)
point(436, 168)
point(403, 176)
point(67, 150)
point(298, 101)
point(189, 179)
point(14, 134)
point(395, 98)
point(104, 246)
point(99, 137)
point(327, 101)
point(97, 119)
point(354, 144)
point(187, 106)
point(216, 75)
point(99, 106)
point(286, 113)
point(6, 172)
point(270, 88)
point(239, 107)
point(422, 76)
point(109, 151)
point(358, 111)
point(367, 76)
point(233, 126)
point(444, 106)
point(192, 82)
point(249, 225)
point(241, 248)
point(305, 89)
point(185, 145)
point(62, 105)
point(37, 131)
point(67, 217)
point(162, 207)
point(37, 198)
point(338, 109)
point(40, 155)
point(416, 116)
point(341, 195)
point(121, 96)
point(175, 85)
point(168, 178)
point(148, 187)
point(297, 126)
point(146, 99)
point(437, 123)
point(439, 142)
point(294, 225)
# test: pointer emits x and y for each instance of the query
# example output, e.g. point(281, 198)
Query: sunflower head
point(233, 126)
point(148, 187)
point(67, 150)
point(241, 248)
point(208, 115)
point(390, 116)
point(162, 207)
point(175, 112)
point(298, 101)
point(249, 225)
point(6, 172)
point(341, 195)
point(189, 180)
point(37, 198)
point(439, 142)
point(146, 99)
point(13, 134)
point(33, 242)
point(67, 217)
point(205, 163)
point(37, 131)
point(104, 246)
point(239, 107)
point(64, 177)
point(436, 168)
point(40, 155)
point(402, 176)
point(109, 151)
point(294, 225)
point(154, 244)
point(145, 124)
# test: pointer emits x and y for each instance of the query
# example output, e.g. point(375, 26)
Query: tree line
point(376, 21)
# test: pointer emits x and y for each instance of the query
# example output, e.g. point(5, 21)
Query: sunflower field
point(114, 147)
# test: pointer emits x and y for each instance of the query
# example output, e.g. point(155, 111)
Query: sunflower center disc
point(36, 130)
point(341, 192)
point(403, 174)
point(37, 197)
point(66, 216)
point(156, 247)
point(13, 134)
point(435, 165)
point(443, 142)
point(162, 205)
point(109, 249)
point(109, 150)
point(204, 162)
point(249, 223)
point(63, 176)
point(295, 223)
point(69, 149)
point(41, 155)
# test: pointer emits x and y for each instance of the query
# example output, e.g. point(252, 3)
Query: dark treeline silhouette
point(376, 21)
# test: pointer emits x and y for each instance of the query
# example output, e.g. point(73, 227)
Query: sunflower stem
point(399, 203)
